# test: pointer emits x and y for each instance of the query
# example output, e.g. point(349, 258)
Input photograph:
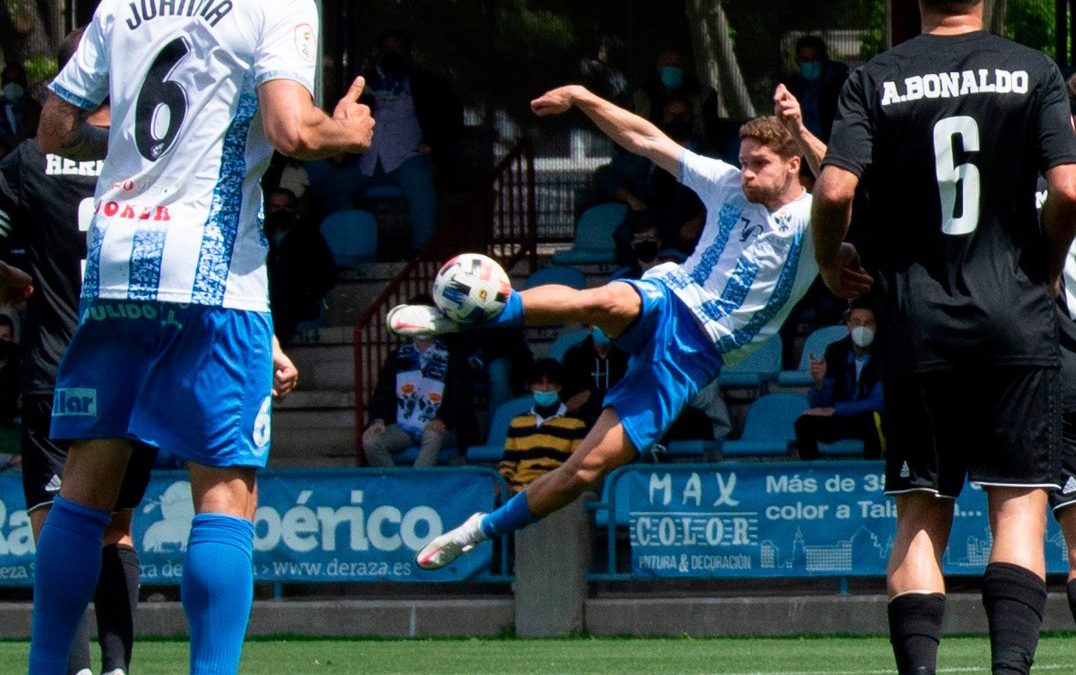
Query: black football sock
point(1015, 601)
point(116, 602)
point(915, 625)
point(1070, 590)
point(79, 661)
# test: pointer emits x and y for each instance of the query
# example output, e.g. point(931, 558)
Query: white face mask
point(13, 92)
point(862, 337)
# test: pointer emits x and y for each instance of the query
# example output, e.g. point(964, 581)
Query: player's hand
point(787, 110)
point(285, 374)
point(435, 425)
point(817, 370)
point(846, 277)
point(355, 118)
point(16, 286)
point(555, 102)
point(576, 402)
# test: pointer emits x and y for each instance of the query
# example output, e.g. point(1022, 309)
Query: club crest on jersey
point(75, 403)
point(305, 42)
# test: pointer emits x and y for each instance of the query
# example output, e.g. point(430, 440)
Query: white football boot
point(419, 321)
point(452, 544)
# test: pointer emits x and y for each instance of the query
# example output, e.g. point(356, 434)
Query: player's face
point(765, 173)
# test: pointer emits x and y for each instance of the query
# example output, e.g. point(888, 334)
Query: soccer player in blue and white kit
point(680, 323)
point(174, 343)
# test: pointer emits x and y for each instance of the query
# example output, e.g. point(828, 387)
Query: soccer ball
point(471, 287)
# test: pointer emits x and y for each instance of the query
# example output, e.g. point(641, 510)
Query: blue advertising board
point(342, 525)
point(786, 520)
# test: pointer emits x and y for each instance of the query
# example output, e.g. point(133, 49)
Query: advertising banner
point(326, 526)
point(786, 520)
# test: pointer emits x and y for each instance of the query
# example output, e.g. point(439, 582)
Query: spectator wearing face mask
point(846, 400)
point(675, 210)
point(542, 439)
point(817, 84)
point(591, 369)
point(671, 80)
point(19, 113)
point(300, 265)
point(419, 123)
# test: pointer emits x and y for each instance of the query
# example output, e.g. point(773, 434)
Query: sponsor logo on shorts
point(905, 472)
point(54, 485)
point(1070, 486)
point(75, 403)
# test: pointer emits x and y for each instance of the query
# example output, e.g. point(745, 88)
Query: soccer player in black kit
point(950, 130)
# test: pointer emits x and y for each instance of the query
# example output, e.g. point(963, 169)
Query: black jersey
point(955, 131)
point(47, 202)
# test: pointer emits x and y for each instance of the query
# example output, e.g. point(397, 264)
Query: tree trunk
point(715, 58)
point(29, 28)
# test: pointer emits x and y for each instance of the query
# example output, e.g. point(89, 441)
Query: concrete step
point(317, 428)
point(303, 400)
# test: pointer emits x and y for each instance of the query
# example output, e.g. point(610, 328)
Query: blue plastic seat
point(493, 450)
point(770, 427)
point(816, 344)
point(566, 341)
point(556, 274)
point(382, 191)
point(593, 243)
point(848, 447)
point(757, 371)
point(691, 449)
point(351, 236)
point(622, 507)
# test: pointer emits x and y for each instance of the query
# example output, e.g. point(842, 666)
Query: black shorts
point(43, 460)
point(1066, 496)
point(992, 426)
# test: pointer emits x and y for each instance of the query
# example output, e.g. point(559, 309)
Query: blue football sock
point(217, 590)
point(509, 317)
point(513, 515)
point(63, 587)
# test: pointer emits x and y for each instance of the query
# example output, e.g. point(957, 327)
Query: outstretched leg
point(605, 448)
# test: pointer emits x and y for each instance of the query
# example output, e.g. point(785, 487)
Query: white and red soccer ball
point(471, 287)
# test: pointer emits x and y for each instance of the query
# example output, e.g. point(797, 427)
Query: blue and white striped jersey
point(750, 266)
point(178, 206)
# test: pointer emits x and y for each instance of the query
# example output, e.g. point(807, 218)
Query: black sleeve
point(852, 140)
point(383, 404)
point(1057, 143)
point(10, 188)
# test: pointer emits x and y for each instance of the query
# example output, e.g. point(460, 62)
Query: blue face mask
point(600, 338)
point(546, 399)
point(672, 77)
point(811, 70)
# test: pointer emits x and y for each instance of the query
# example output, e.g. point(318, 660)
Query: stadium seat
point(848, 447)
point(566, 341)
point(382, 191)
point(757, 371)
point(352, 237)
point(816, 344)
point(555, 274)
point(770, 427)
point(408, 456)
point(593, 243)
point(622, 506)
point(691, 449)
point(493, 450)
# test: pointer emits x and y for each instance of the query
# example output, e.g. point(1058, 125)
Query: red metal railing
point(500, 221)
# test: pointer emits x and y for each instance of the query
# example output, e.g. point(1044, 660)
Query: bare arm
point(297, 128)
point(65, 131)
point(787, 109)
point(831, 213)
point(1059, 219)
point(630, 131)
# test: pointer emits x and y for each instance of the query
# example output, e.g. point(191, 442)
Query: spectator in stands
point(846, 401)
point(9, 370)
point(499, 361)
point(817, 85)
point(288, 173)
point(671, 80)
point(591, 369)
point(544, 438)
point(300, 265)
point(421, 395)
point(19, 112)
point(419, 123)
point(332, 184)
point(675, 210)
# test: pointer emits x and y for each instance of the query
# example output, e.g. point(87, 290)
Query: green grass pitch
point(725, 656)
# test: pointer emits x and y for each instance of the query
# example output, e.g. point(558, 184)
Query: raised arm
point(630, 131)
point(1059, 219)
point(65, 130)
point(831, 212)
point(298, 128)
point(787, 109)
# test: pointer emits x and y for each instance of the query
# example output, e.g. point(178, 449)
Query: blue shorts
point(190, 379)
point(671, 360)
